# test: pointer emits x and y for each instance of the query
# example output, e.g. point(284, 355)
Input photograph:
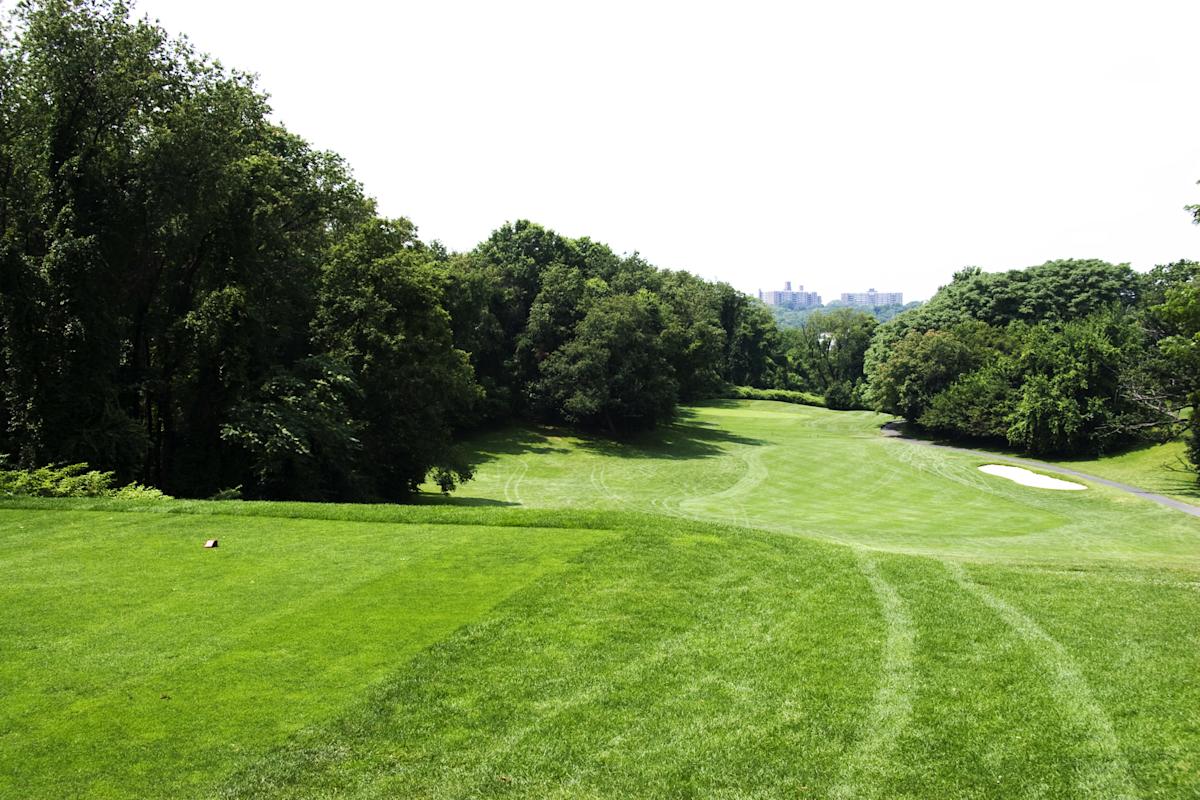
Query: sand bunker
point(1028, 478)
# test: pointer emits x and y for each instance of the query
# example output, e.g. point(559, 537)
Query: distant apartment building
point(873, 299)
point(789, 299)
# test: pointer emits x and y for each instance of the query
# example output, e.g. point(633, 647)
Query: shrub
point(779, 395)
point(137, 491)
point(70, 480)
point(840, 396)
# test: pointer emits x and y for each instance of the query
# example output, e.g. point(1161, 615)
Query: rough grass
point(764, 600)
point(1160, 468)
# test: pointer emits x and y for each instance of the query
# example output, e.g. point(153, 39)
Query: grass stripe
point(892, 707)
point(1107, 773)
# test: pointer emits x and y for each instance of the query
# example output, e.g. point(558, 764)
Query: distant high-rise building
point(789, 299)
point(873, 299)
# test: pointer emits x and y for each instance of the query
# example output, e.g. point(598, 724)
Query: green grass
point(830, 475)
point(763, 600)
point(137, 663)
point(1160, 468)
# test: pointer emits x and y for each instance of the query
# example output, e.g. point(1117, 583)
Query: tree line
point(1069, 357)
point(194, 297)
point(798, 317)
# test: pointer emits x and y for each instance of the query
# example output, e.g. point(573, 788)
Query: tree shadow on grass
point(687, 437)
point(515, 440)
point(432, 499)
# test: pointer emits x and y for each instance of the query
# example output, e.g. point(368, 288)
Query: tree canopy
point(1058, 358)
point(194, 297)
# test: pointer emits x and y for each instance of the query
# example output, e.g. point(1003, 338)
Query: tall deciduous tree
point(380, 314)
point(826, 353)
point(1178, 316)
point(611, 374)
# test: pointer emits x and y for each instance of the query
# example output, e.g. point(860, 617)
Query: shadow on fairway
point(429, 499)
point(685, 438)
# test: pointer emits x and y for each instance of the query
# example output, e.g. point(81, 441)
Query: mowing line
point(1108, 774)
point(516, 487)
point(892, 706)
point(666, 649)
point(508, 486)
point(512, 486)
point(756, 473)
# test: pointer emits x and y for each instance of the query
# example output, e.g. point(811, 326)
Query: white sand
point(1027, 478)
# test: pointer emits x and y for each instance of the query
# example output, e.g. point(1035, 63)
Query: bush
point(779, 395)
point(840, 396)
point(137, 491)
point(71, 480)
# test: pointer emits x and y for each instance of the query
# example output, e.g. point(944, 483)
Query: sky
point(841, 146)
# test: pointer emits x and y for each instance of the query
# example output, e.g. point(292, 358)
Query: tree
point(300, 433)
point(1068, 397)
point(921, 365)
point(159, 246)
point(518, 301)
point(380, 313)
point(828, 352)
point(613, 374)
point(1179, 316)
point(754, 352)
point(694, 339)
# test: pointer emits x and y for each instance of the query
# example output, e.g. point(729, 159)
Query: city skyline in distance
point(795, 294)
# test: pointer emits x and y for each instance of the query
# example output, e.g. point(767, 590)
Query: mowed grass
point(1160, 468)
point(810, 472)
point(763, 600)
point(136, 663)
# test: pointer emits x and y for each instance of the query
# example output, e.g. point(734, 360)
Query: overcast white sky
point(841, 145)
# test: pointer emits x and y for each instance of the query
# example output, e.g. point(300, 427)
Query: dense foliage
point(1174, 318)
point(566, 330)
point(1060, 358)
point(70, 480)
point(193, 297)
point(825, 355)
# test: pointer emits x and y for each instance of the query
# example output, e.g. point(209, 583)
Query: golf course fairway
point(760, 600)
